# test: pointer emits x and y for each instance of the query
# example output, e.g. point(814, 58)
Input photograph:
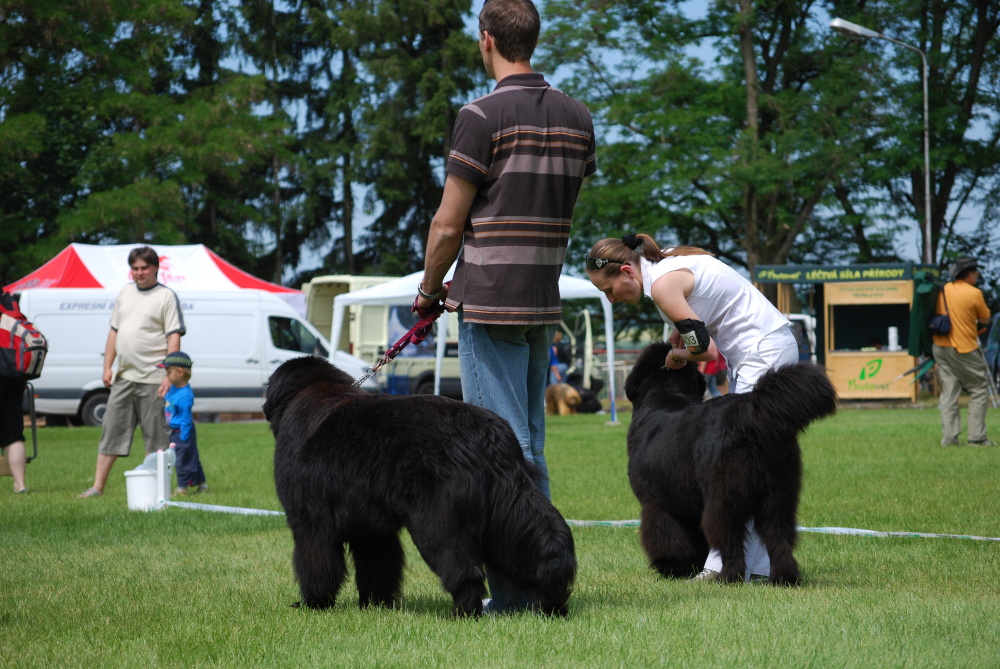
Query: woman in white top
point(713, 310)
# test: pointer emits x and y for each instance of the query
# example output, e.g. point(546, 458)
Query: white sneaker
point(707, 575)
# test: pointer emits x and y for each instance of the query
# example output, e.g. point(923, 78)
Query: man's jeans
point(504, 369)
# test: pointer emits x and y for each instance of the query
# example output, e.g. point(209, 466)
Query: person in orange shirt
point(959, 361)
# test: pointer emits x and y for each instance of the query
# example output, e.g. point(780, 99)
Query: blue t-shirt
point(180, 402)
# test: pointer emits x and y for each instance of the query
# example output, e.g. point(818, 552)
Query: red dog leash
point(415, 335)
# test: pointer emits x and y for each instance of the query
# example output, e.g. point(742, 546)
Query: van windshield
point(289, 334)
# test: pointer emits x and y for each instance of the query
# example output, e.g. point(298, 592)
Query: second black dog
point(701, 470)
point(352, 469)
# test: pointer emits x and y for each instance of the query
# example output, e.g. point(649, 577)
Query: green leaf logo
point(871, 368)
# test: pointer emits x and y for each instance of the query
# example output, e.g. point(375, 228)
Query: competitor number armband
point(694, 335)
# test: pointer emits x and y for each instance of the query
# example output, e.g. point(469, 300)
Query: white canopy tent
point(401, 291)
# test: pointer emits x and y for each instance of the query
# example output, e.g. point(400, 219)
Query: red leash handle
point(414, 335)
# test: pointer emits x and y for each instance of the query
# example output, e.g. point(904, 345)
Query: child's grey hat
point(178, 359)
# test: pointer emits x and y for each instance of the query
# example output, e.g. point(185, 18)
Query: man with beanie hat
point(959, 361)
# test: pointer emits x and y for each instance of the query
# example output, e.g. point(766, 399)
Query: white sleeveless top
point(735, 313)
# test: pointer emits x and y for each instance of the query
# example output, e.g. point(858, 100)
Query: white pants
point(758, 561)
point(776, 349)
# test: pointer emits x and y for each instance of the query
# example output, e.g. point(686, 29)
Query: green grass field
point(87, 583)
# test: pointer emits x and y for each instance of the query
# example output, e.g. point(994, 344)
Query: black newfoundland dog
point(701, 470)
point(355, 468)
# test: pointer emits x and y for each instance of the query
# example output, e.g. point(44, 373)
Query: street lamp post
point(856, 31)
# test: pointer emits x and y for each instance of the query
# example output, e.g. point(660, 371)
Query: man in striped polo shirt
point(518, 160)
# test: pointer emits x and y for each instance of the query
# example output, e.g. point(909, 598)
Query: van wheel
point(92, 412)
point(425, 388)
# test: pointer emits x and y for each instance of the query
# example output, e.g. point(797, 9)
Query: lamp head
point(852, 30)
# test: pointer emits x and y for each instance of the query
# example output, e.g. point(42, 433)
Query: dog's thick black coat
point(701, 470)
point(355, 468)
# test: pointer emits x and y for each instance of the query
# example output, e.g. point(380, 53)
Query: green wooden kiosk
point(863, 315)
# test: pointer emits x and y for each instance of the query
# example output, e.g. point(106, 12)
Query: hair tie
point(631, 241)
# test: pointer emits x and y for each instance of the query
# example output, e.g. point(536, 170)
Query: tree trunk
point(751, 241)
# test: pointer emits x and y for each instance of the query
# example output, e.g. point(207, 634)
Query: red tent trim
point(66, 266)
point(244, 280)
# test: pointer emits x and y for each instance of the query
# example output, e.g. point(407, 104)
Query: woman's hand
point(673, 361)
point(680, 355)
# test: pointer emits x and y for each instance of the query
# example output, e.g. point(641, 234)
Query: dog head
point(589, 402)
point(648, 377)
point(571, 396)
point(294, 376)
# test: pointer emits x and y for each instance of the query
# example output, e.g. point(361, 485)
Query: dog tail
point(795, 395)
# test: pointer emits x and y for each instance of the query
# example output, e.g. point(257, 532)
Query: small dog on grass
point(562, 399)
point(352, 469)
point(701, 470)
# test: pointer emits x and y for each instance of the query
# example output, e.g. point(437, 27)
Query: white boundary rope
point(614, 523)
point(820, 530)
point(875, 533)
point(224, 509)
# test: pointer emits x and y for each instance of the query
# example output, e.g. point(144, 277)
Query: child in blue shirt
point(179, 403)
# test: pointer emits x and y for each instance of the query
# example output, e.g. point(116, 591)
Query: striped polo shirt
point(527, 147)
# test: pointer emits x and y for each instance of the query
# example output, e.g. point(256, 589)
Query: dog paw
point(786, 580)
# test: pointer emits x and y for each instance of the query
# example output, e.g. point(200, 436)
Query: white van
point(235, 338)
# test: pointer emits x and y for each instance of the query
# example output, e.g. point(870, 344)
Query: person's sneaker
point(202, 487)
point(945, 443)
point(707, 575)
point(179, 492)
point(758, 578)
point(984, 442)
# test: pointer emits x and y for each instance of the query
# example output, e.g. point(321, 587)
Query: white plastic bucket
point(149, 483)
point(140, 490)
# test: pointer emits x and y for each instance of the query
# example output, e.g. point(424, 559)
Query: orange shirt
point(967, 309)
